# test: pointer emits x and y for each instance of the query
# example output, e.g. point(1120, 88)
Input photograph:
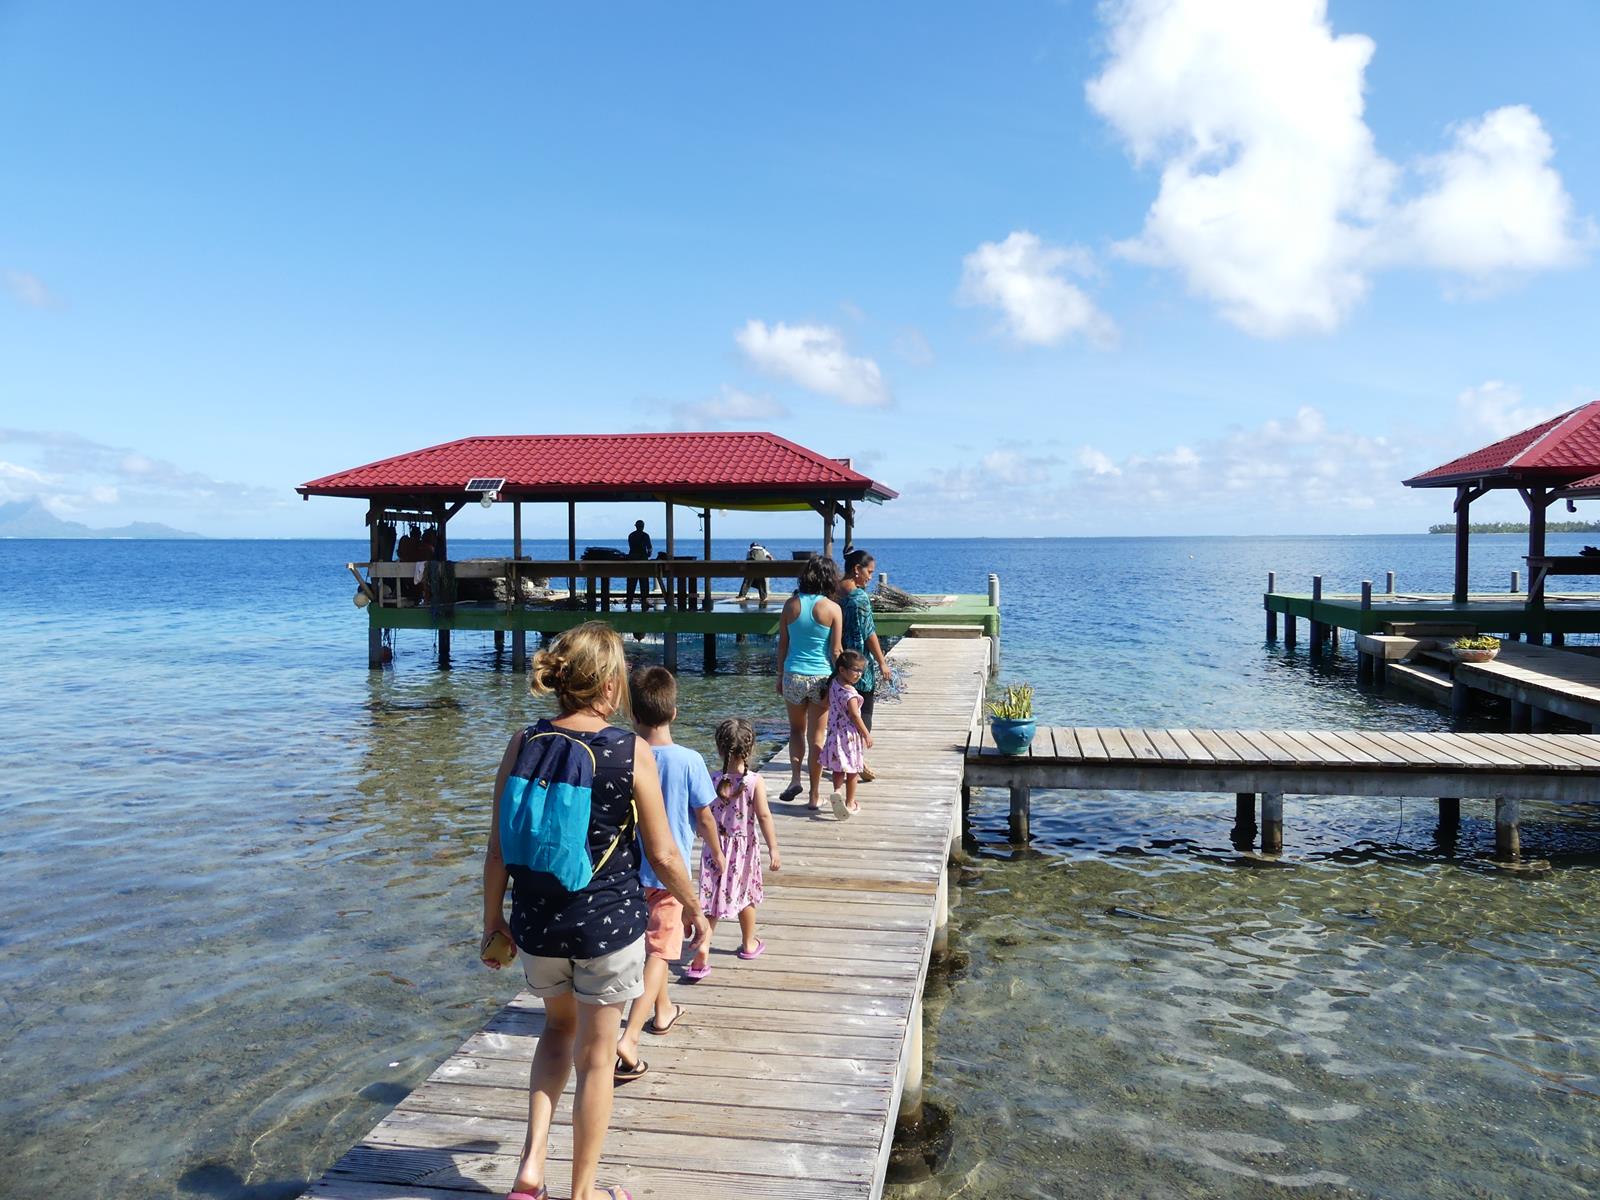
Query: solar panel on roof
point(485, 484)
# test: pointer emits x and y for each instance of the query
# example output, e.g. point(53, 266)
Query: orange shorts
point(664, 936)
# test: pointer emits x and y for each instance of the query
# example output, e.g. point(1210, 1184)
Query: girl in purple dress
point(849, 739)
point(740, 806)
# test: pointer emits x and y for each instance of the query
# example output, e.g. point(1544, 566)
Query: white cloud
point(814, 356)
point(1025, 278)
point(912, 347)
point(1494, 409)
point(72, 474)
point(731, 406)
point(1097, 462)
point(1274, 201)
point(1496, 204)
point(29, 289)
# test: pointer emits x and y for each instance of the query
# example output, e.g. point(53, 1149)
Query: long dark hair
point(855, 558)
point(819, 577)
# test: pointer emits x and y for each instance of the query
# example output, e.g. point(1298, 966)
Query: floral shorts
point(805, 689)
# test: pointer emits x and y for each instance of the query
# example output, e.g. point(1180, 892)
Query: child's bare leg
point(654, 996)
point(747, 928)
point(704, 952)
point(850, 792)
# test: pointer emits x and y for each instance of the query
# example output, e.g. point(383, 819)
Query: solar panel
point(485, 485)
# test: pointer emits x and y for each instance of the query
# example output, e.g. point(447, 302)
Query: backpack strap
point(631, 823)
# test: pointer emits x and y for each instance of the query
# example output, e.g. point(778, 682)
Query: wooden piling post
point(669, 651)
point(1516, 581)
point(1460, 699)
point(1317, 631)
point(442, 548)
point(911, 1094)
point(1244, 820)
point(1272, 822)
point(1288, 630)
point(1521, 717)
point(941, 917)
point(499, 641)
point(1449, 812)
point(1021, 805)
point(519, 636)
point(966, 809)
point(1388, 582)
point(1507, 827)
point(1272, 617)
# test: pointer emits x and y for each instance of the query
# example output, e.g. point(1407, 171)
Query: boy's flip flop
point(622, 1072)
point(840, 811)
point(650, 1026)
point(760, 949)
point(790, 792)
point(694, 974)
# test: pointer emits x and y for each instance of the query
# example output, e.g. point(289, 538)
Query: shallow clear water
point(238, 874)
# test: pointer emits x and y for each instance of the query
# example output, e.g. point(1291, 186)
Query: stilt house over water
point(703, 472)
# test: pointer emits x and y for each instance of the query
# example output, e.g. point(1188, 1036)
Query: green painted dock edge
point(961, 610)
point(1488, 612)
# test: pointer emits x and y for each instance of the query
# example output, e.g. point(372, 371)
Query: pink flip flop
point(761, 948)
point(695, 974)
point(541, 1194)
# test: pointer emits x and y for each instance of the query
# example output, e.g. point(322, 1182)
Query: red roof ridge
point(1559, 424)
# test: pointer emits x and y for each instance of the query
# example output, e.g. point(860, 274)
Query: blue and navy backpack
point(545, 808)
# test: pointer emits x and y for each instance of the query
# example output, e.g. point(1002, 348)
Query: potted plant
point(1475, 649)
point(1011, 719)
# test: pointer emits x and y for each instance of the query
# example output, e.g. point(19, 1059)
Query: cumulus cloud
point(1026, 279)
point(71, 474)
point(731, 406)
point(815, 357)
point(912, 347)
point(27, 288)
point(1274, 201)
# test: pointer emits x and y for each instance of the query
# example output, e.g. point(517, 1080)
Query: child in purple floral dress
point(740, 806)
point(845, 751)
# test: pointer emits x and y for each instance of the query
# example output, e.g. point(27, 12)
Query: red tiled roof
point(604, 466)
point(1560, 449)
point(1587, 487)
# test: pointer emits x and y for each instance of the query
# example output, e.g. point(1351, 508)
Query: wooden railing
point(683, 583)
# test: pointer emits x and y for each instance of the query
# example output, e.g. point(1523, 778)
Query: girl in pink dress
point(740, 806)
point(844, 753)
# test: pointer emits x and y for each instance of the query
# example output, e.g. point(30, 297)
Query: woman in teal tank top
point(810, 634)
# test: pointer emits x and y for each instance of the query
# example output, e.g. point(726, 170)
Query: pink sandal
point(761, 948)
point(541, 1194)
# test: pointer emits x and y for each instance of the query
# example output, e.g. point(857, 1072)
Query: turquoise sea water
point(238, 879)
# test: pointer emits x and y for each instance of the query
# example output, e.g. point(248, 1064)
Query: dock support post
point(519, 637)
point(443, 550)
point(1380, 671)
point(1507, 827)
point(1244, 820)
point(1317, 630)
point(966, 809)
point(1021, 804)
point(1521, 717)
point(669, 651)
point(572, 546)
point(1288, 630)
point(1449, 812)
point(911, 1095)
point(1539, 719)
point(519, 650)
point(1516, 581)
point(1460, 699)
point(941, 917)
point(499, 641)
point(1272, 617)
point(1388, 582)
point(374, 643)
point(1272, 822)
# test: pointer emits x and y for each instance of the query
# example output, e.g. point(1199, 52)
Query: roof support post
point(705, 516)
point(519, 636)
point(669, 584)
point(849, 525)
point(572, 546)
point(374, 631)
point(442, 551)
point(828, 509)
point(1536, 501)
point(1463, 504)
point(709, 641)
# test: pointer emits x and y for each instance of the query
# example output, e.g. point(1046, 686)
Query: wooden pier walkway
point(785, 1075)
point(1505, 768)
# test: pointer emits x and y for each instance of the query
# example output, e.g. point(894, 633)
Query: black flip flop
point(650, 1025)
point(622, 1073)
point(791, 792)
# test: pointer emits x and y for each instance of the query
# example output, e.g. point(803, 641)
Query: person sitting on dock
point(687, 790)
point(640, 547)
point(756, 553)
point(582, 946)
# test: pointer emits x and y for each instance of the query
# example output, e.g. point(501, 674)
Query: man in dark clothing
point(639, 546)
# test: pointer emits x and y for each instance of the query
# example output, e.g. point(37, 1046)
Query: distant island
point(1521, 527)
point(31, 519)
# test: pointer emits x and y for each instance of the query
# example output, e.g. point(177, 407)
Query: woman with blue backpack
point(570, 797)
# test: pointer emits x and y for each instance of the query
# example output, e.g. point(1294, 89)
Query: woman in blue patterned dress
point(861, 632)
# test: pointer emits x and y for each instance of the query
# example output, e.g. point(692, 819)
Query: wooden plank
point(1369, 744)
point(1089, 743)
point(1216, 746)
point(1113, 741)
point(1139, 742)
point(1278, 747)
point(1242, 747)
point(1353, 747)
point(1315, 750)
point(1189, 745)
point(1067, 743)
point(1165, 746)
point(1546, 751)
point(1450, 750)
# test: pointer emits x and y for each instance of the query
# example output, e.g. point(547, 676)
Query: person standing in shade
point(861, 633)
point(756, 553)
point(809, 630)
point(640, 547)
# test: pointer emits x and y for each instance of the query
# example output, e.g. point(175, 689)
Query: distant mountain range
point(31, 519)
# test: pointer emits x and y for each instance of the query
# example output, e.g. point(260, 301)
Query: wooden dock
point(786, 1074)
point(1269, 764)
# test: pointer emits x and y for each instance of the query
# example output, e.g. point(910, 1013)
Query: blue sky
point(1047, 268)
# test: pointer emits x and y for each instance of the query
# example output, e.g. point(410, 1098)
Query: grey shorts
point(805, 689)
point(610, 979)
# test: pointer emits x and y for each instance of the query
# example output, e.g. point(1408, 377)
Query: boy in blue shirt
point(686, 787)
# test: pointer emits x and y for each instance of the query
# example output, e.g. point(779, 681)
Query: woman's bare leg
point(798, 717)
point(595, 1056)
point(547, 1078)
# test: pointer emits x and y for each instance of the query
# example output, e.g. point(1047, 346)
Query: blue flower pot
point(1011, 737)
